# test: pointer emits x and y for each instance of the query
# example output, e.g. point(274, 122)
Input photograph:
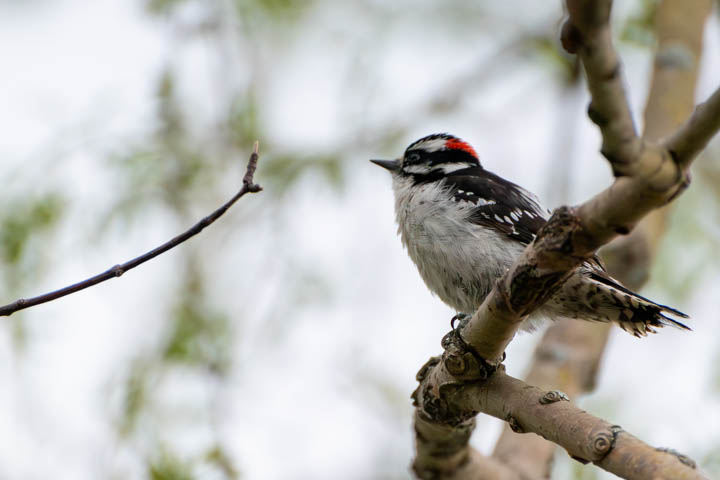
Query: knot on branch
point(435, 404)
point(461, 360)
point(570, 37)
point(514, 424)
point(683, 180)
point(425, 369)
point(554, 396)
point(684, 459)
point(438, 385)
point(602, 441)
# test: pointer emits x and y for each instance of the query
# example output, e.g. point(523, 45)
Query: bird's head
point(437, 154)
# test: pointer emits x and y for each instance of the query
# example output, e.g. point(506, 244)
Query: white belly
point(458, 261)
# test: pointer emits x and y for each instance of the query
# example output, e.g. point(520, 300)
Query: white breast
point(458, 260)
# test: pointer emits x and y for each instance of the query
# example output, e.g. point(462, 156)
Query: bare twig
point(248, 187)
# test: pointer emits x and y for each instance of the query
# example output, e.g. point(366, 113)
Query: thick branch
point(566, 359)
point(648, 176)
point(587, 33)
point(529, 409)
point(118, 270)
point(584, 436)
point(646, 179)
point(444, 452)
point(679, 27)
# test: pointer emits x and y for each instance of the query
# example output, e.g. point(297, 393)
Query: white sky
point(77, 80)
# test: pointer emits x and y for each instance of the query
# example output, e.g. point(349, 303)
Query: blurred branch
point(568, 356)
point(648, 176)
point(694, 135)
point(248, 187)
point(442, 448)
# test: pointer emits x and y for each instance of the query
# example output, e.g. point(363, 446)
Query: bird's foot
point(462, 319)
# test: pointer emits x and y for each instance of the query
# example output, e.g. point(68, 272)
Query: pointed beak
point(392, 165)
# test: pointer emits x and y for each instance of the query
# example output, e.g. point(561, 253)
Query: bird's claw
point(463, 318)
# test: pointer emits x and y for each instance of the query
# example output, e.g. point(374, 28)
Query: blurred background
point(283, 342)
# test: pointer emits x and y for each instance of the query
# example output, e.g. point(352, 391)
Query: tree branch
point(693, 136)
point(648, 176)
point(444, 450)
point(117, 270)
point(648, 180)
point(568, 355)
point(587, 33)
point(529, 409)
point(585, 437)
point(566, 359)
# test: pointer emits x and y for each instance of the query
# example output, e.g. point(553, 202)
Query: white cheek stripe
point(452, 167)
point(424, 168)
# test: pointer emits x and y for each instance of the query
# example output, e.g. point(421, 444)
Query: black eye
point(414, 157)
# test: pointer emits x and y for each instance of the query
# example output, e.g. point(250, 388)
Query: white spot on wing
point(419, 169)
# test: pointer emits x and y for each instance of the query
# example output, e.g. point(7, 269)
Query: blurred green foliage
point(218, 457)
point(27, 226)
point(584, 472)
point(171, 167)
point(639, 28)
point(166, 466)
point(273, 10)
point(688, 249)
point(22, 221)
point(200, 335)
point(135, 396)
point(710, 464)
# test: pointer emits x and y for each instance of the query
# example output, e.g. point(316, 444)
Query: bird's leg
point(463, 318)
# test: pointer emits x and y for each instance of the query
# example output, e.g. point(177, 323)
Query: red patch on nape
point(457, 144)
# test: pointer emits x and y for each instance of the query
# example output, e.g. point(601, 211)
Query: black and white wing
point(498, 204)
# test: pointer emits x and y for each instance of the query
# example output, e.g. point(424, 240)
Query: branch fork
point(649, 174)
